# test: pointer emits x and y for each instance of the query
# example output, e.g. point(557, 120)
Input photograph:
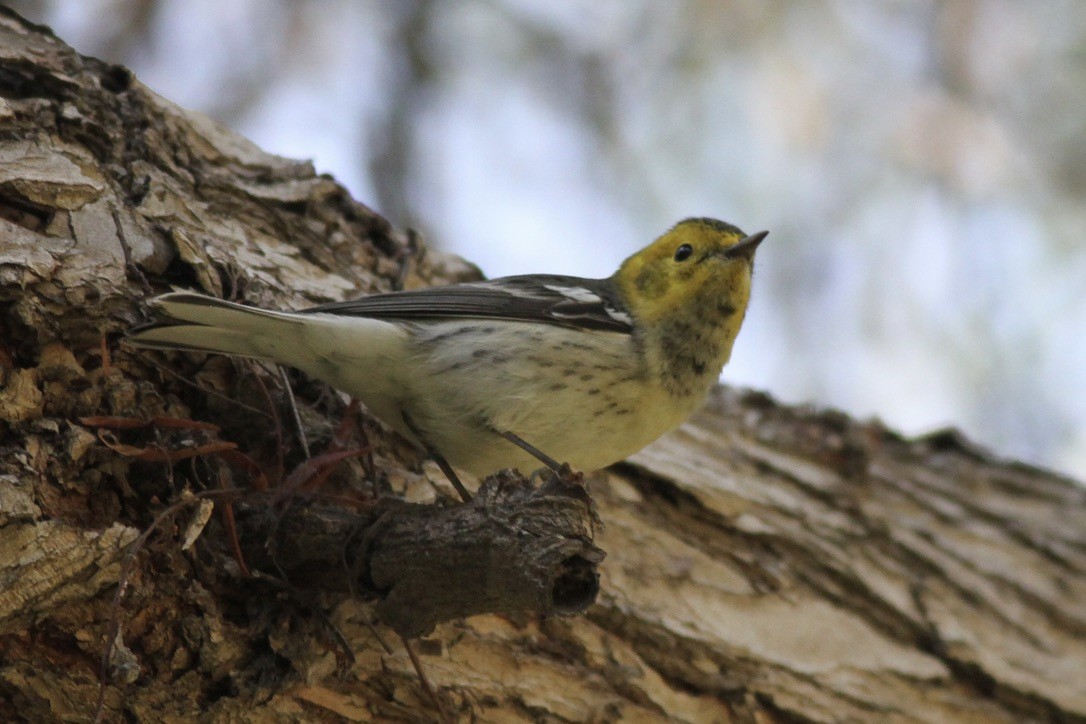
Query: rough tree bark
point(765, 563)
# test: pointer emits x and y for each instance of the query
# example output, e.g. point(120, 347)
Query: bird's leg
point(437, 458)
point(449, 473)
point(532, 450)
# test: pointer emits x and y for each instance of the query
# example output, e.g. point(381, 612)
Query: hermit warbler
point(586, 370)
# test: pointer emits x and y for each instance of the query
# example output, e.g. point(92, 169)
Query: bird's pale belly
point(589, 407)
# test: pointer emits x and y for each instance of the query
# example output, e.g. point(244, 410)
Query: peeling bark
point(514, 548)
point(764, 563)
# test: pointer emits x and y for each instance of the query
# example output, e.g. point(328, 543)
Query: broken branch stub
point(512, 548)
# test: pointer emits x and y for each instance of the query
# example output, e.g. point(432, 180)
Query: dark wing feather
point(549, 299)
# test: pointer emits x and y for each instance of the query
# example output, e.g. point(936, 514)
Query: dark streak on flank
point(458, 365)
point(453, 333)
point(724, 309)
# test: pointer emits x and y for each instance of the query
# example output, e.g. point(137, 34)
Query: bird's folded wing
point(549, 299)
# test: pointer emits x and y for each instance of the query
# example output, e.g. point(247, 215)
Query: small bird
point(587, 371)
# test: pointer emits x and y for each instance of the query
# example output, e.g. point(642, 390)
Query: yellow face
point(700, 267)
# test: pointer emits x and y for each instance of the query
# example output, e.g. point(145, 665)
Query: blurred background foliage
point(921, 165)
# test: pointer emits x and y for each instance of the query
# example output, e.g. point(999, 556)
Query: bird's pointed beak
point(746, 247)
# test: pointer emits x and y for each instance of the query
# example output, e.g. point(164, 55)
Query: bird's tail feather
point(200, 323)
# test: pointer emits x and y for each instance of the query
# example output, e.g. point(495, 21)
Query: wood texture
point(515, 547)
point(764, 563)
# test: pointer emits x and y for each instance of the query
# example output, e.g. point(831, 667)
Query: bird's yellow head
point(700, 268)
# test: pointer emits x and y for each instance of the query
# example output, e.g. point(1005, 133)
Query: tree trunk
point(764, 563)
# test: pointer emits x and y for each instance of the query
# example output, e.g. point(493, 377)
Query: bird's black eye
point(683, 252)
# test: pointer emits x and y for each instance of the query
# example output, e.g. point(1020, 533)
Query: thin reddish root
point(312, 473)
point(259, 478)
point(348, 425)
point(106, 361)
point(232, 530)
point(155, 454)
point(134, 423)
